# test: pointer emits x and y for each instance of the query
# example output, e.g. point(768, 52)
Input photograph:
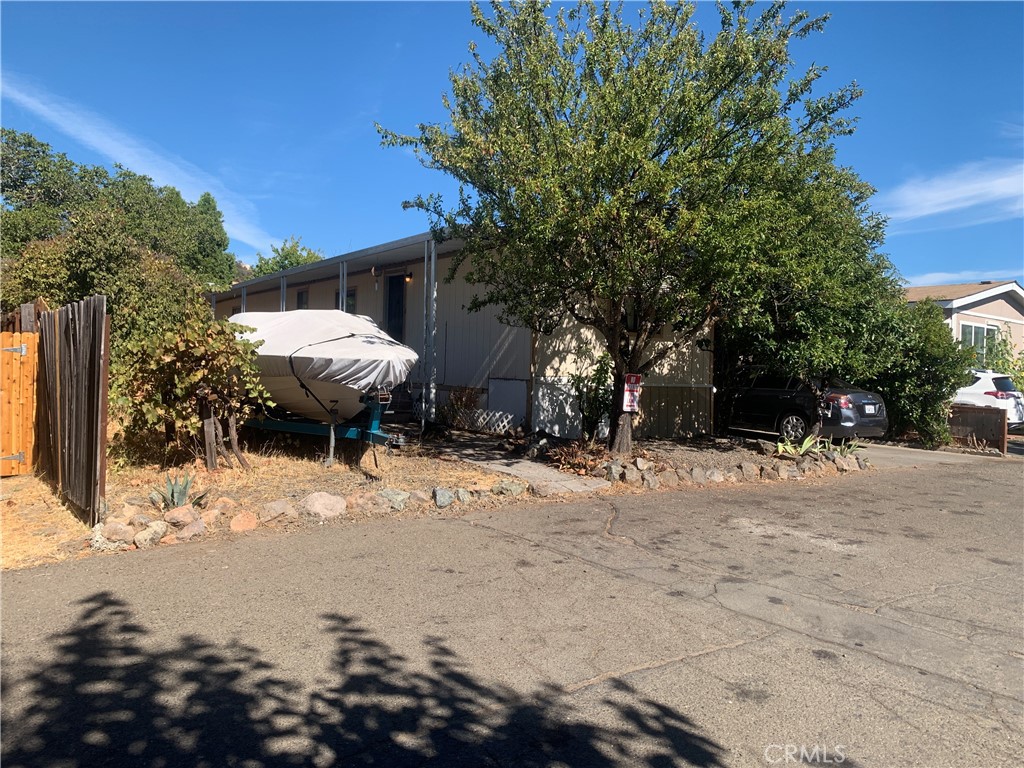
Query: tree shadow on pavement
point(109, 697)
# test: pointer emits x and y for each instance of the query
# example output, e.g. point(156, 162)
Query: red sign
point(631, 397)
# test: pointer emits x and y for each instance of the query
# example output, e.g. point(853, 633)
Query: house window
point(978, 338)
point(350, 301)
point(302, 300)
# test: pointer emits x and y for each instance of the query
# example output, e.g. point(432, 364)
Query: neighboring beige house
point(401, 286)
point(976, 311)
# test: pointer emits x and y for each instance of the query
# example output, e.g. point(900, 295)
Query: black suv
point(789, 406)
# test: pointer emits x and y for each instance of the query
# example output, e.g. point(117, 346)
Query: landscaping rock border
point(135, 527)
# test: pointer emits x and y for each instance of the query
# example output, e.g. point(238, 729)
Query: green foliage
point(592, 389)
point(1000, 357)
point(200, 363)
point(843, 447)
point(45, 195)
point(611, 168)
point(925, 367)
point(177, 493)
point(132, 242)
point(809, 446)
point(291, 253)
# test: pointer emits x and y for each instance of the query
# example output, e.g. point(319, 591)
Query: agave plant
point(786, 447)
point(177, 493)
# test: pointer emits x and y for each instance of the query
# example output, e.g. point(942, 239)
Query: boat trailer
point(365, 427)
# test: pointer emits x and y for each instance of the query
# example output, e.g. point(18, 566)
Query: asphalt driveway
point(870, 620)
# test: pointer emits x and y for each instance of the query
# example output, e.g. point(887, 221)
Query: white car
point(996, 390)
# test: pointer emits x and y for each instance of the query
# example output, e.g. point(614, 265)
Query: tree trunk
point(209, 435)
point(620, 423)
point(233, 434)
point(622, 445)
point(221, 450)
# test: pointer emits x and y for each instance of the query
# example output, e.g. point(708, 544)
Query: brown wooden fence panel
point(74, 352)
point(979, 426)
point(18, 370)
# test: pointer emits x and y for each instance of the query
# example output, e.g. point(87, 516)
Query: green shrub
point(921, 378)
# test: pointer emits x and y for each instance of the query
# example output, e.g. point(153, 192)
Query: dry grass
point(34, 527)
point(37, 528)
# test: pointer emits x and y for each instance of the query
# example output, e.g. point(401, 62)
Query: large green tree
point(291, 253)
point(45, 193)
point(637, 175)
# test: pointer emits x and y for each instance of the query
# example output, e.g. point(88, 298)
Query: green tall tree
point(291, 253)
point(640, 176)
point(44, 193)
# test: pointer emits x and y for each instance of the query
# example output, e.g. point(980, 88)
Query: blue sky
point(271, 106)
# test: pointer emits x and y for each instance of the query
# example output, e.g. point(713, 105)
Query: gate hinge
point(16, 457)
point(23, 349)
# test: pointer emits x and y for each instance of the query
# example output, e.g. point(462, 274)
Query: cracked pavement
point(878, 614)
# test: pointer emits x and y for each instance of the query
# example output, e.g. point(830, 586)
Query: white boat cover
point(337, 356)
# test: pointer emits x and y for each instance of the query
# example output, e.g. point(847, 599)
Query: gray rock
point(117, 531)
point(150, 536)
point(764, 447)
point(642, 464)
point(715, 475)
point(770, 473)
point(698, 476)
point(276, 509)
point(397, 499)
point(631, 475)
point(650, 479)
point(140, 521)
point(614, 472)
point(852, 464)
point(320, 506)
point(841, 463)
point(463, 496)
point(179, 517)
point(128, 511)
point(443, 498)
point(669, 478)
point(101, 544)
point(861, 462)
point(509, 487)
point(793, 473)
point(138, 501)
point(420, 497)
point(543, 490)
point(193, 530)
point(732, 476)
point(828, 455)
point(749, 471)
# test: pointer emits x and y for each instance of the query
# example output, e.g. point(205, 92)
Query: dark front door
point(395, 314)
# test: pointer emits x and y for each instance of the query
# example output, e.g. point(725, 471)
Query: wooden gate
point(75, 356)
point(19, 366)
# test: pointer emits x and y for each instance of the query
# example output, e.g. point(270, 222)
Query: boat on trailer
point(324, 364)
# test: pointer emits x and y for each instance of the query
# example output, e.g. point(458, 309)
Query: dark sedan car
point(789, 406)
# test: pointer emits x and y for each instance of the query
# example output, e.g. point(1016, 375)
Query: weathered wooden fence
point(73, 371)
point(18, 369)
point(979, 426)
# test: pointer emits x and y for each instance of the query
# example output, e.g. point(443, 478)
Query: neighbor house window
point(978, 338)
point(302, 300)
point(350, 301)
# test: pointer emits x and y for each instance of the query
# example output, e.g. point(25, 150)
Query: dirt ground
point(36, 528)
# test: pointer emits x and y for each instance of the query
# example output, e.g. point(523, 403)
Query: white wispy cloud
point(967, 276)
point(240, 217)
point(975, 193)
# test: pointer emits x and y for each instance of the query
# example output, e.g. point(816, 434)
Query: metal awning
point(408, 250)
